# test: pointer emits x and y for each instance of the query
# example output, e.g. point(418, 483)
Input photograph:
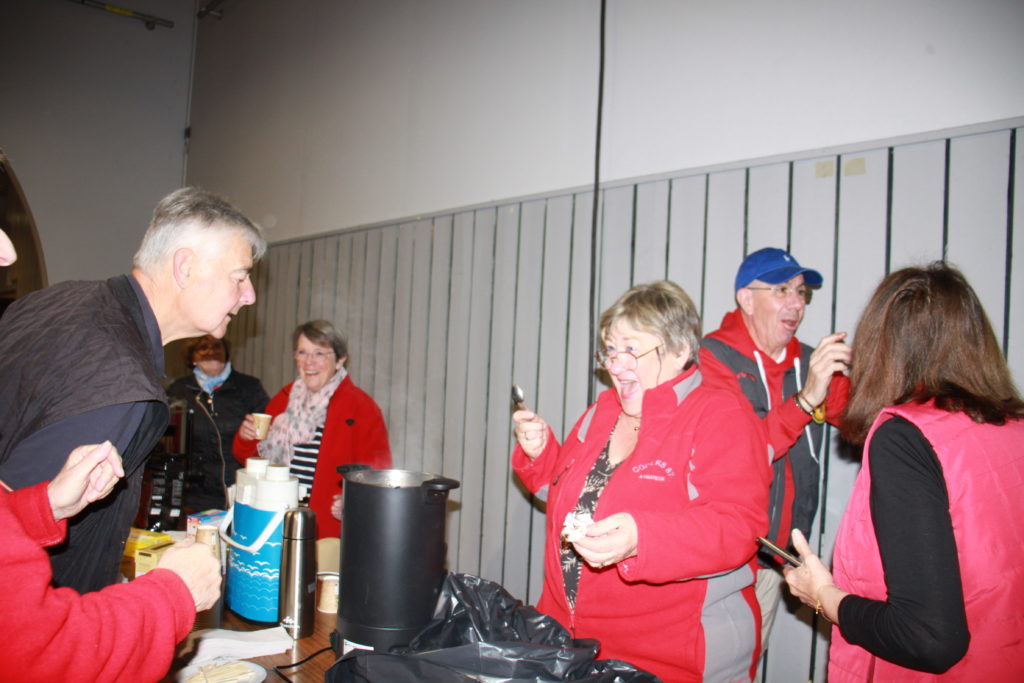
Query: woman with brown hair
point(929, 559)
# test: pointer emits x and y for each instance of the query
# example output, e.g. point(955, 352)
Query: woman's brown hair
point(924, 335)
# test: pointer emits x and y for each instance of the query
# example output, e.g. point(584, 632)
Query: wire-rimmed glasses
point(784, 291)
point(627, 359)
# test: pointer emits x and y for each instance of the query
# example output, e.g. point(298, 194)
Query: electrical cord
point(597, 186)
point(220, 448)
point(277, 668)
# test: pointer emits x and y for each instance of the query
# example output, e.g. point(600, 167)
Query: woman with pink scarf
point(320, 421)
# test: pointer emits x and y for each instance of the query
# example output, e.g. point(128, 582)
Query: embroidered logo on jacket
point(658, 470)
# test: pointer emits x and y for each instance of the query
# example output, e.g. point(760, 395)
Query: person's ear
point(340, 363)
point(182, 264)
point(681, 357)
point(745, 300)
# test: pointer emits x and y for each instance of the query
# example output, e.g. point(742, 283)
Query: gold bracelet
point(819, 414)
point(819, 608)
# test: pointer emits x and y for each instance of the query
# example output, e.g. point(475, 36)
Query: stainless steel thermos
point(297, 593)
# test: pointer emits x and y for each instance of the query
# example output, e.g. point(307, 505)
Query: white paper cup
point(262, 422)
point(327, 588)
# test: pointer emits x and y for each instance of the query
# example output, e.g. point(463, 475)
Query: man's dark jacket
point(64, 350)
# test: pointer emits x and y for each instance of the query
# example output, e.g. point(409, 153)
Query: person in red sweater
point(125, 632)
point(320, 421)
point(673, 473)
point(791, 387)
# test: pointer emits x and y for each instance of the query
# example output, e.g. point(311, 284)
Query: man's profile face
point(773, 320)
point(218, 283)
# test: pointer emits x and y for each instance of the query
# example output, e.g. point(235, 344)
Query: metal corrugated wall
point(445, 312)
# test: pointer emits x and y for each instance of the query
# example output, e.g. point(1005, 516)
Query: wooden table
point(310, 672)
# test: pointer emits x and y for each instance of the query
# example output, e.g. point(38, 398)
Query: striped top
point(303, 464)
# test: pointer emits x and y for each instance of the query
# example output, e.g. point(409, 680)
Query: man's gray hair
point(183, 216)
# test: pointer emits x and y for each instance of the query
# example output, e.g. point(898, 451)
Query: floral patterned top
point(587, 504)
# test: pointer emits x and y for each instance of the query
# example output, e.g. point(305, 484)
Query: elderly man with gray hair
point(81, 362)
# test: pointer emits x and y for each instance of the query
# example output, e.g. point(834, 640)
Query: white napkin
point(212, 643)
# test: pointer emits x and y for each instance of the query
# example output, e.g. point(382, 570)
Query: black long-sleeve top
point(923, 624)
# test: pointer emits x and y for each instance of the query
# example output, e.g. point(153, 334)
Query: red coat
point(354, 432)
point(125, 632)
point(983, 466)
point(696, 483)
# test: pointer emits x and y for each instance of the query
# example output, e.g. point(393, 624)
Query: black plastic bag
point(481, 633)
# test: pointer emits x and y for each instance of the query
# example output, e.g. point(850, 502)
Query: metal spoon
point(518, 397)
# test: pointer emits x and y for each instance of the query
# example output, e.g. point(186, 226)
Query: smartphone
point(790, 559)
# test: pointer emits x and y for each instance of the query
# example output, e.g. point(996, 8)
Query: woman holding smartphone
point(929, 559)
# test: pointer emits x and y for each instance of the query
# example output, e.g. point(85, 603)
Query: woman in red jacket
point(674, 475)
point(321, 420)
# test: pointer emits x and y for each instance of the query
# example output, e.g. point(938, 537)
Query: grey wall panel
point(616, 247)
point(724, 241)
point(978, 179)
point(383, 370)
point(401, 340)
point(495, 395)
point(355, 305)
point(525, 350)
point(649, 262)
point(918, 204)
point(556, 354)
point(444, 312)
point(478, 358)
point(581, 342)
point(456, 378)
point(767, 207)
point(305, 287)
point(368, 346)
point(685, 244)
point(435, 358)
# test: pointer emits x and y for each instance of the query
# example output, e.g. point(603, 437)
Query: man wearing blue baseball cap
point(793, 388)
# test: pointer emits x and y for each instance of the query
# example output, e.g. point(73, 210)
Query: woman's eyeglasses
point(318, 356)
point(627, 360)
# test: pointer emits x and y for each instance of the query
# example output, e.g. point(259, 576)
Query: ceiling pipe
point(149, 20)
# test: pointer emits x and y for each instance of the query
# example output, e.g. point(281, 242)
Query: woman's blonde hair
point(660, 308)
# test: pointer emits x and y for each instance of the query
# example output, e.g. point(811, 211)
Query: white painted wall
point(93, 109)
point(336, 113)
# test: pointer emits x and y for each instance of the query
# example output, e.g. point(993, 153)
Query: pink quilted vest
point(983, 466)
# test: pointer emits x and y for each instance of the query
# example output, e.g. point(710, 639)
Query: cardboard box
point(140, 538)
point(147, 558)
point(193, 522)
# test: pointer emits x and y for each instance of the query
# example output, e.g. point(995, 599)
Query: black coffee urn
point(392, 556)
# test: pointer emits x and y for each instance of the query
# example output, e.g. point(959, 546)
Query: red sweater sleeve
point(125, 632)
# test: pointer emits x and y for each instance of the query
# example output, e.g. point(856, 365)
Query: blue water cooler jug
point(263, 492)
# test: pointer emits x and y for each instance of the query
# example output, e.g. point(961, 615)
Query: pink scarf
point(306, 411)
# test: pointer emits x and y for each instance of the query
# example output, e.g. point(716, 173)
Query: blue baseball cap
point(774, 266)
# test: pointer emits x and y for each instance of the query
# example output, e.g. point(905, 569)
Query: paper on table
point(212, 643)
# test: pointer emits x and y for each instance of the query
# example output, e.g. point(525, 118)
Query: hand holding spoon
point(518, 397)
